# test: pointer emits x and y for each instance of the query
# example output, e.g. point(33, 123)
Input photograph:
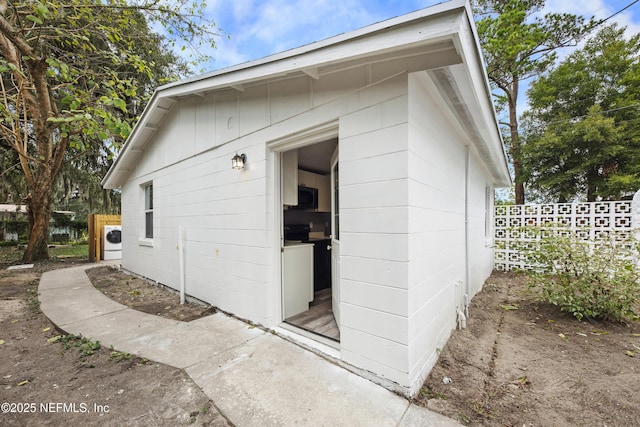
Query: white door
point(335, 238)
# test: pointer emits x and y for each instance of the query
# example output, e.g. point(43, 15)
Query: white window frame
point(147, 233)
point(488, 217)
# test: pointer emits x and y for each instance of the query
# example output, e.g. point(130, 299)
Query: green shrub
point(594, 279)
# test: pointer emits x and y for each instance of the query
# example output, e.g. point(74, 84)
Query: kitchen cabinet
point(290, 178)
point(322, 183)
point(297, 278)
point(321, 264)
point(307, 179)
point(324, 193)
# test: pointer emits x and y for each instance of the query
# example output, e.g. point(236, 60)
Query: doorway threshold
point(309, 339)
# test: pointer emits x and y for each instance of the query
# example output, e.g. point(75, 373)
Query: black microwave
point(307, 198)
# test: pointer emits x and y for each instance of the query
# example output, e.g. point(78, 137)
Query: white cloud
point(599, 9)
point(242, 9)
point(260, 28)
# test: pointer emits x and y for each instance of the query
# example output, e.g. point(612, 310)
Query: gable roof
point(445, 30)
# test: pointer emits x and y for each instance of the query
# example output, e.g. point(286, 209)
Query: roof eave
point(429, 12)
point(304, 59)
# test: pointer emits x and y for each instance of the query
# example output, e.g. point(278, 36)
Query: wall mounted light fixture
point(238, 161)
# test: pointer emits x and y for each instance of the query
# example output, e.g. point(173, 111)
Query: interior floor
point(319, 318)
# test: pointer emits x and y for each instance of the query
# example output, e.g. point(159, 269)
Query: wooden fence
point(96, 229)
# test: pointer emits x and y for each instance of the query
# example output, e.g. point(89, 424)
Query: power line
point(602, 21)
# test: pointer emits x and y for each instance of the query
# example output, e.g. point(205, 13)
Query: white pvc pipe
point(467, 178)
point(462, 320)
point(181, 244)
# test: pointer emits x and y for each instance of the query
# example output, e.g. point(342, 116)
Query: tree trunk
point(592, 176)
point(39, 208)
point(519, 186)
point(515, 143)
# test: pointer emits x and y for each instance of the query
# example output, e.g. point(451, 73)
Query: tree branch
point(8, 31)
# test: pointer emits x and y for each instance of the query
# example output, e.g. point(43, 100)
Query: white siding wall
point(402, 209)
point(222, 211)
point(436, 266)
point(227, 214)
point(373, 237)
point(480, 244)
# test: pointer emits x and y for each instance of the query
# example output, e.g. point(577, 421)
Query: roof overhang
point(466, 91)
point(438, 31)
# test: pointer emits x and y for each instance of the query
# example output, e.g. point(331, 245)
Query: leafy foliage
point(119, 356)
point(589, 279)
point(517, 45)
point(74, 75)
point(583, 129)
point(86, 347)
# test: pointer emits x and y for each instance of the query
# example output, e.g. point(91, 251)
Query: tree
point(583, 127)
point(518, 45)
point(72, 74)
point(12, 184)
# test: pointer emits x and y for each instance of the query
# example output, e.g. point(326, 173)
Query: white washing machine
point(112, 242)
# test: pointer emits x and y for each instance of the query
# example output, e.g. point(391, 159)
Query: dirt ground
point(52, 383)
point(142, 295)
point(524, 363)
point(518, 363)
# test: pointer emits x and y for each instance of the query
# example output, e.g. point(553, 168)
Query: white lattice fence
point(589, 220)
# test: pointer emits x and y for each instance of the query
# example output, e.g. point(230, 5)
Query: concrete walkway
point(254, 378)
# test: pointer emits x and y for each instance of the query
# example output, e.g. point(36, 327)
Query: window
point(488, 198)
point(148, 211)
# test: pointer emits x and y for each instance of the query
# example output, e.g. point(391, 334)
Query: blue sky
point(258, 28)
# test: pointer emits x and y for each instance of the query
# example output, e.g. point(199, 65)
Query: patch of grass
point(427, 393)
point(11, 255)
point(69, 251)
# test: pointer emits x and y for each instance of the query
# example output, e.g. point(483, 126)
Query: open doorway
point(309, 214)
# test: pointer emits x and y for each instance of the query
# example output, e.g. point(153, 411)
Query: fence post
point(635, 220)
point(92, 242)
point(635, 216)
point(635, 211)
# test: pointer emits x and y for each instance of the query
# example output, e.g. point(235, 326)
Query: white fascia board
point(401, 31)
point(470, 49)
point(134, 145)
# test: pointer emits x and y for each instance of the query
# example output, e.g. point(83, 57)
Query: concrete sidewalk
point(253, 377)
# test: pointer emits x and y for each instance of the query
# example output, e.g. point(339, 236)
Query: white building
point(393, 125)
